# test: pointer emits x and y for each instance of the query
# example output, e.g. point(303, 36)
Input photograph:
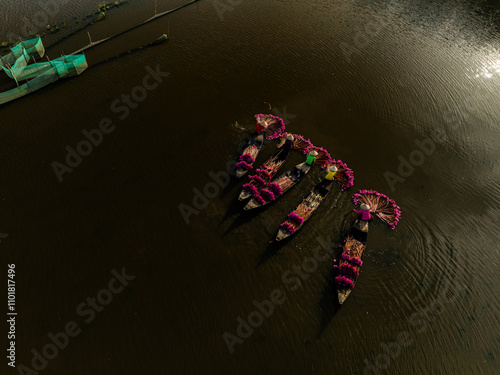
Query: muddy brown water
point(406, 93)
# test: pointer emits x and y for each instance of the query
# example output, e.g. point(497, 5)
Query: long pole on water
point(135, 27)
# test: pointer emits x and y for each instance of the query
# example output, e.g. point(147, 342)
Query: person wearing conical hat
point(289, 142)
point(286, 148)
point(364, 210)
point(259, 128)
point(331, 173)
point(311, 158)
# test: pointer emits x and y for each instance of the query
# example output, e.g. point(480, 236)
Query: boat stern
point(240, 172)
point(244, 195)
point(252, 204)
point(343, 294)
point(282, 234)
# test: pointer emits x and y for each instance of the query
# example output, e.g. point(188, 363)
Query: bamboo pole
point(13, 75)
point(1, 58)
point(137, 26)
point(36, 64)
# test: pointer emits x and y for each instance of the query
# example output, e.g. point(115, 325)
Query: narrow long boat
point(379, 205)
point(304, 210)
point(264, 174)
point(279, 186)
point(249, 155)
point(350, 261)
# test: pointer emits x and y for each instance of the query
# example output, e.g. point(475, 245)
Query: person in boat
point(364, 210)
point(331, 173)
point(330, 176)
point(259, 128)
point(287, 146)
point(311, 158)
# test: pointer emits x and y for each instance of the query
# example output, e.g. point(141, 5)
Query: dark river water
point(405, 92)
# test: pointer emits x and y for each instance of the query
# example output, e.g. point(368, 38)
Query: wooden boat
point(350, 262)
point(279, 186)
point(264, 174)
point(249, 155)
point(379, 205)
point(304, 210)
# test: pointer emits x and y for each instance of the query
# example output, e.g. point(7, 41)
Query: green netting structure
point(22, 53)
point(20, 64)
